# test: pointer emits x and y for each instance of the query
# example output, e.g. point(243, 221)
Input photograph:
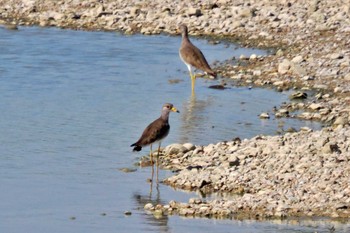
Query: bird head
point(169, 107)
point(182, 29)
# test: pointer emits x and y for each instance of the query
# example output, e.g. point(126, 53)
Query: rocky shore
point(304, 173)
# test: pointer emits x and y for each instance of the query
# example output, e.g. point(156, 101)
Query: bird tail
point(211, 73)
point(136, 147)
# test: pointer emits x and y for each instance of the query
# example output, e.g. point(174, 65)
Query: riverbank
point(298, 174)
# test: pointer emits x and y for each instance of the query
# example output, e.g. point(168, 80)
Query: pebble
point(11, 26)
point(298, 59)
point(284, 66)
point(189, 146)
point(298, 95)
point(128, 170)
point(127, 213)
point(340, 121)
point(276, 176)
point(253, 57)
point(314, 106)
point(253, 172)
point(264, 115)
point(149, 206)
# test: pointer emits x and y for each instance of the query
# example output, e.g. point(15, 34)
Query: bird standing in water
point(192, 56)
point(156, 131)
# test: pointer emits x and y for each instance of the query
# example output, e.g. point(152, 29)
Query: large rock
point(284, 66)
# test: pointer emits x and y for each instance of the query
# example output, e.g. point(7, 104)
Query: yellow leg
point(193, 81)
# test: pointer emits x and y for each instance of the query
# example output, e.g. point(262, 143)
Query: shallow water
point(71, 104)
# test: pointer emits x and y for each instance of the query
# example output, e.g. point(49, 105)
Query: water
point(71, 104)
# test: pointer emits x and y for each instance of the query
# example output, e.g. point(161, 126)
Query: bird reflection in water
point(159, 221)
point(192, 118)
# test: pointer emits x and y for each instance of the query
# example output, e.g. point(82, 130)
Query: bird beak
point(175, 110)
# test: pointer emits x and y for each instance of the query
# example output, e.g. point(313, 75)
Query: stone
point(149, 206)
point(284, 66)
point(298, 70)
point(330, 148)
point(175, 148)
point(335, 56)
point(314, 106)
point(279, 53)
point(278, 83)
point(338, 89)
point(186, 212)
point(291, 130)
point(318, 17)
point(245, 12)
point(158, 213)
point(257, 72)
point(11, 26)
point(195, 201)
point(253, 57)
point(189, 146)
point(347, 77)
point(242, 57)
point(128, 213)
point(264, 115)
point(307, 78)
point(264, 34)
point(128, 170)
point(298, 59)
point(340, 121)
point(236, 24)
point(306, 129)
point(298, 95)
point(135, 11)
point(320, 86)
point(194, 12)
point(234, 161)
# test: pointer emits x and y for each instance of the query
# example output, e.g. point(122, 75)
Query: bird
point(192, 56)
point(156, 131)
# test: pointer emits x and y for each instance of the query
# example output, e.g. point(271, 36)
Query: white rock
point(189, 146)
point(264, 115)
point(314, 106)
point(335, 56)
point(253, 57)
point(340, 121)
point(298, 59)
point(194, 11)
point(149, 206)
point(175, 149)
point(278, 83)
point(284, 66)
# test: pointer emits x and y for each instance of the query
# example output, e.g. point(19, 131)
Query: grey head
point(184, 30)
point(166, 109)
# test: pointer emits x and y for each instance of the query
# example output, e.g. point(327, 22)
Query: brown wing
point(155, 131)
point(193, 56)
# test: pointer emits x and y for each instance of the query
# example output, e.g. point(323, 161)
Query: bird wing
point(155, 131)
point(193, 56)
